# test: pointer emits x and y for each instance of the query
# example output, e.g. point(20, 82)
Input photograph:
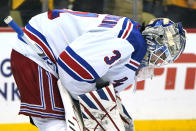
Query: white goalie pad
point(102, 111)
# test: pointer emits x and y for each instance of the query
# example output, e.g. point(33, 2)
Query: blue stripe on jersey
point(131, 67)
point(123, 27)
point(82, 62)
point(88, 101)
point(113, 17)
point(71, 73)
point(106, 25)
point(109, 22)
point(102, 94)
point(55, 13)
point(42, 37)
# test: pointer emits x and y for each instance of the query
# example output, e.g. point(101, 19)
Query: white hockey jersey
point(85, 47)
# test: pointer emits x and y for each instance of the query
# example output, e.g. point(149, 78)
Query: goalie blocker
point(99, 110)
point(103, 110)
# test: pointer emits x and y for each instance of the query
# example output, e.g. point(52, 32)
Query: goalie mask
point(166, 41)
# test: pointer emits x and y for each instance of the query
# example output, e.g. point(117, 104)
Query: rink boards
point(167, 102)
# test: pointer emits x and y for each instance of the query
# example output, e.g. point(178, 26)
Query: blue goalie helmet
point(166, 40)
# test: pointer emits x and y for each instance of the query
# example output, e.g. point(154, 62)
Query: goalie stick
point(8, 20)
point(72, 116)
point(74, 119)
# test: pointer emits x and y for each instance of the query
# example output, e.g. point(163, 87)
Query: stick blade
point(72, 115)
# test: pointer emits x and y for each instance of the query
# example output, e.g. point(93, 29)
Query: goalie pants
point(38, 89)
